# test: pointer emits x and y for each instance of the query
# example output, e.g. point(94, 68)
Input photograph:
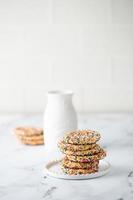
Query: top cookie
point(28, 131)
point(82, 137)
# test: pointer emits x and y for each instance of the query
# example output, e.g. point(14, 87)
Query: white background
point(82, 45)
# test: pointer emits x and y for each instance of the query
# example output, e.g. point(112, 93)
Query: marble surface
point(21, 167)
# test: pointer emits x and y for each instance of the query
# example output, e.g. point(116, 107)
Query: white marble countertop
point(21, 167)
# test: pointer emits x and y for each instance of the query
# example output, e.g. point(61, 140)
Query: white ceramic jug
point(59, 117)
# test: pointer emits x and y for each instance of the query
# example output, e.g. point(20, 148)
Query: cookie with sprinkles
point(82, 137)
point(28, 131)
point(78, 171)
point(79, 165)
point(31, 138)
point(88, 158)
point(91, 151)
point(30, 135)
point(74, 147)
point(32, 142)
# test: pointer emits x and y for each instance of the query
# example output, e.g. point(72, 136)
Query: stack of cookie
point(82, 154)
point(30, 135)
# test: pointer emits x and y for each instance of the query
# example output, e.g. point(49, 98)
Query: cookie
point(78, 171)
point(79, 165)
point(82, 137)
point(28, 131)
point(74, 147)
point(88, 158)
point(30, 135)
point(31, 138)
point(92, 151)
point(38, 142)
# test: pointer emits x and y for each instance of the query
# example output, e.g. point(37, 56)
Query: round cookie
point(82, 137)
point(79, 165)
point(78, 171)
point(31, 138)
point(38, 142)
point(92, 151)
point(28, 131)
point(89, 158)
point(30, 135)
point(74, 147)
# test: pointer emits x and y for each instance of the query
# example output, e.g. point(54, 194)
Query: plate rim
point(74, 177)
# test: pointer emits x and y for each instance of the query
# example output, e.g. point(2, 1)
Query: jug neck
point(60, 96)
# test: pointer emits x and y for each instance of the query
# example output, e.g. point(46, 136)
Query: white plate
point(53, 169)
